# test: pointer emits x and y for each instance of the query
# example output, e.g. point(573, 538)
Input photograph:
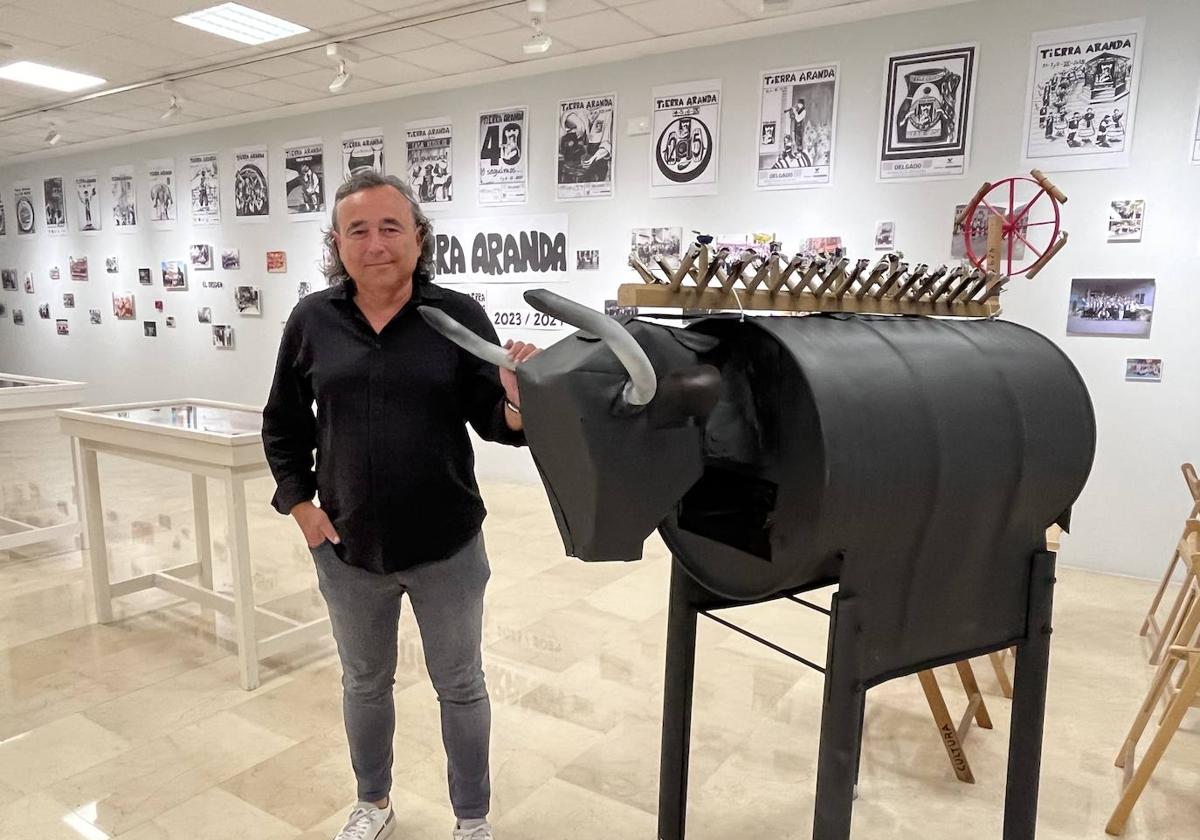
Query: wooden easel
point(1185, 650)
point(1188, 592)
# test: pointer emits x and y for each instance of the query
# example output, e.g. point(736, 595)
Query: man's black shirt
point(394, 464)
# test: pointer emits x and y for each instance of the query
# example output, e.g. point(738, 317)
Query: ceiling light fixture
point(340, 80)
point(43, 75)
point(54, 137)
point(238, 23)
point(344, 59)
point(173, 111)
point(540, 42)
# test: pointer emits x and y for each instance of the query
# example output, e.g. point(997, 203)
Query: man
point(400, 510)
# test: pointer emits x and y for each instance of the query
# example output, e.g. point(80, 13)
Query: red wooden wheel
point(1031, 221)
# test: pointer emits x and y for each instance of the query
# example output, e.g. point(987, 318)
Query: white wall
point(1130, 513)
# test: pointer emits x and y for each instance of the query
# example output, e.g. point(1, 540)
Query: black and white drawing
point(23, 209)
point(797, 127)
point(201, 256)
point(503, 174)
point(174, 275)
point(885, 236)
point(304, 164)
point(303, 289)
point(62, 326)
point(248, 300)
point(1081, 96)
point(588, 260)
point(928, 107)
point(685, 139)
point(88, 217)
point(29, 283)
point(150, 329)
point(251, 193)
point(8, 279)
point(1125, 219)
point(19, 317)
point(68, 300)
point(94, 316)
point(171, 322)
point(145, 277)
point(78, 267)
point(3, 220)
point(162, 193)
point(428, 148)
point(1108, 307)
point(586, 147)
point(44, 311)
point(124, 198)
point(231, 259)
point(648, 243)
point(56, 205)
point(204, 188)
point(204, 314)
point(222, 336)
point(112, 265)
point(362, 149)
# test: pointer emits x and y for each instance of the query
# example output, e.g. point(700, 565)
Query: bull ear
point(643, 381)
point(464, 338)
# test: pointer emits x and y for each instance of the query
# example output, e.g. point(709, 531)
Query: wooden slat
point(632, 294)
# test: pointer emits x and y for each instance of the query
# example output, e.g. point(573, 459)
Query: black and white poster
point(586, 147)
point(429, 163)
point(56, 205)
point(503, 146)
point(251, 195)
point(685, 139)
point(23, 209)
point(797, 127)
point(3, 220)
point(506, 249)
point(928, 107)
point(204, 188)
point(88, 217)
point(162, 193)
point(1081, 96)
point(124, 198)
point(304, 164)
point(362, 149)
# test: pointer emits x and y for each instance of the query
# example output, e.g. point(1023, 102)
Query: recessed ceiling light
point(43, 75)
point(238, 23)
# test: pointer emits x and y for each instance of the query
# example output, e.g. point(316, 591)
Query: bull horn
point(464, 338)
point(643, 381)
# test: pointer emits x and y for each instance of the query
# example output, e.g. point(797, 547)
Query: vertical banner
point(430, 165)
point(304, 165)
point(162, 193)
point(686, 139)
point(204, 188)
point(928, 109)
point(586, 147)
point(1081, 96)
point(251, 195)
point(56, 205)
point(503, 162)
point(87, 203)
point(362, 148)
point(124, 198)
point(797, 127)
point(23, 209)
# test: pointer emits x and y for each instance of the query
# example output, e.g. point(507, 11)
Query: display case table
point(33, 398)
point(206, 439)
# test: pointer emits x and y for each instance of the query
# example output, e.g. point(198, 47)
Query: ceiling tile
point(358, 25)
point(97, 14)
point(469, 25)
point(238, 100)
point(400, 41)
point(278, 68)
point(506, 46)
point(315, 14)
point(275, 89)
point(390, 71)
point(168, 8)
point(602, 29)
point(451, 58)
point(555, 10)
point(670, 17)
point(25, 23)
point(234, 76)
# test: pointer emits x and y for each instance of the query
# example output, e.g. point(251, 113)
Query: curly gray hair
point(365, 179)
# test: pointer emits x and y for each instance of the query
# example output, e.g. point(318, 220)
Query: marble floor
point(138, 730)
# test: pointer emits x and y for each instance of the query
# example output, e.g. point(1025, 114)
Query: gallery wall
point(1129, 515)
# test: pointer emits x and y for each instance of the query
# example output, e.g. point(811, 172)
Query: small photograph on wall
point(1143, 370)
point(94, 316)
point(112, 265)
point(588, 260)
point(1125, 219)
point(202, 257)
point(649, 243)
point(928, 108)
point(145, 277)
point(123, 308)
point(303, 289)
point(222, 336)
point(150, 329)
point(29, 283)
point(231, 259)
point(171, 322)
point(68, 300)
point(78, 266)
point(204, 314)
point(248, 300)
point(158, 306)
point(822, 245)
point(19, 317)
point(3, 309)
point(54, 275)
point(174, 275)
point(1111, 307)
point(586, 150)
point(62, 326)
point(8, 279)
point(979, 234)
point(44, 311)
point(276, 262)
point(885, 236)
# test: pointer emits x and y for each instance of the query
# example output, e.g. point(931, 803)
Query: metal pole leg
point(841, 727)
point(1029, 705)
point(677, 705)
point(243, 580)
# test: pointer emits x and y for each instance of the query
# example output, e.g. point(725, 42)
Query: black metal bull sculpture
point(914, 462)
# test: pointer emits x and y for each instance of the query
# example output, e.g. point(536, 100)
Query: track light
point(537, 8)
point(53, 137)
point(173, 111)
point(340, 80)
point(343, 59)
point(540, 42)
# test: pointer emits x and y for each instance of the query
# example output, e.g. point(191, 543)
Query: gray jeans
point(447, 601)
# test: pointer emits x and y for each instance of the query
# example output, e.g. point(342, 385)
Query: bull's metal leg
point(1029, 705)
point(841, 726)
point(677, 705)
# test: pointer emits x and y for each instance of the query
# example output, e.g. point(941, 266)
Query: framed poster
point(685, 140)
point(586, 147)
point(428, 151)
point(797, 127)
point(503, 157)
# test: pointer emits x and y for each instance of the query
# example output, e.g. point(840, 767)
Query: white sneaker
point(366, 822)
point(479, 832)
